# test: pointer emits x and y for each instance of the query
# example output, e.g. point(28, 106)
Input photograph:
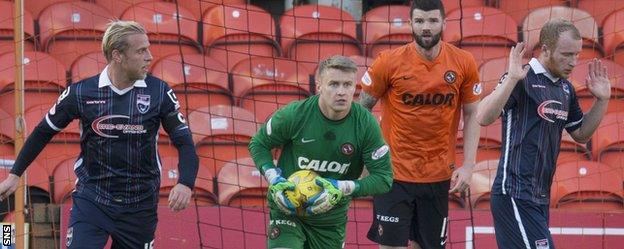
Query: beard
point(427, 45)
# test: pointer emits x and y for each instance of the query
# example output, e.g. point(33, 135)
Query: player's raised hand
point(460, 180)
point(8, 186)
point(597, 80)
point(179, 197)
point(516, 69)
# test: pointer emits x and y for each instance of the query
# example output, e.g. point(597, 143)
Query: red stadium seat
point(241, 184)
point(64, 145)
point(221, 133)
point(238, 32)
point(201, 81)
point(485, 32)
point(483, 176)
point(490, 73)
point(87, 66)
point(587, 185)
point(6, 28)
point(44, 80)
point(64, 180)
point(490, 143)
point(572, 151)
point(200, 7)
point(311, 33)
point(599, 9)
point(262, 85)
point(450, 5)
point(38, 176)
point(117, 7)
point(608, 140)
point(169, 176)
point(160, 19)
point(71, 29)
point(586, 99)
point(7, 133)
point(37, 6)
point(386, 27)
point(582, 20)
point(613, 39)
point(518, 9)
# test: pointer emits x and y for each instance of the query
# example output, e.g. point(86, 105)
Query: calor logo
point(551, 109)
point(102, 128)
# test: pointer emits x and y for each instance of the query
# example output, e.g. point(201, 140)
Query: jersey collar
point(538, 68)
point(104, 81)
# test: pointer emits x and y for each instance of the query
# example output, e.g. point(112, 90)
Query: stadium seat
point(485, 32)
point(161, 20)
point(117, 7)
point(483, 175)
point(238, 32)
point(38, 176)
point(608, 140)
point(572, 151)
point(586, 99)
point(582, 20)
point(262, 85)
point(221, 133)
point(64, 180)
point(7, 133)
point(518, 9)
point(200, 7)
point(37, 181)
point(613, 38)
point(490, 143)
point(599, 9)
point(87, 66)
point(6, 28)
point(64, 145)
point(386, 27)
point(587, 185)
point(241, 184)
point(71, 29)
point(201, 81)
point(37, 6)
point(44, 80)
point(311, 33)
point(169, 175)
point(451, 5)
point(490, 73)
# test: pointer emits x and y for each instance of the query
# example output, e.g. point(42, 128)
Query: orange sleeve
point(471, 87)
point(375, 81)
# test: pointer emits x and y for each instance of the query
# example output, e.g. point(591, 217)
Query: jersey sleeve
point(376, 80)
point(515, 93)
point(64, 110)
point(575, 114)
point(376, 157)
point(471, 87)
point(274, 133)
point(172, 119)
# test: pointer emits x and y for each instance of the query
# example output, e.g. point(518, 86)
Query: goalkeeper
point(333, 137)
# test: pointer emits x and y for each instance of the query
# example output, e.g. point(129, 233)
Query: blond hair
point(336, 62)
point(115, 36)
point(550, 32)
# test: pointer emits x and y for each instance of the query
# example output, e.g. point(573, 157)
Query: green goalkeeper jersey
point(336, 149)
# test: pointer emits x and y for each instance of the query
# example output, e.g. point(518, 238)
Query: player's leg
point(284, 231)
point(392, 215)
point(431, 218)
point(88, 226)
point(520, 224)
point(326, 236)
point(135, 228)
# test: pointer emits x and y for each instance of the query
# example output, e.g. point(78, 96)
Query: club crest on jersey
point(143, 103)
point(450, 76)
point(275, 233)
point(549, 108)
point(542, 244)
point(347, 149)
point(70, 236)
point(566, 89)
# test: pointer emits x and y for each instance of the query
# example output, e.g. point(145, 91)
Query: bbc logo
point(6, 235)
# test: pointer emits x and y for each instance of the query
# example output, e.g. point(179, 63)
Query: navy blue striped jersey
point(119, 163)
point(539, 108)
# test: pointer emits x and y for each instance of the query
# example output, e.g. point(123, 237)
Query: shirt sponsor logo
point(551, 109)
point(436, 99)
point(538, 86)
point(101, 128)
point(322, 165)
point(143, 103)
point(282, 222)
point(390, 219)
point(379, 153)
point(366, 79)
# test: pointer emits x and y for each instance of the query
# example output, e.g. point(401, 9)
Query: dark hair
point(427, 5)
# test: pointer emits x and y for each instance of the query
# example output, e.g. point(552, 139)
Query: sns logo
point(546, 109)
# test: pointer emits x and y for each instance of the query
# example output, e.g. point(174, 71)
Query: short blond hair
point(336, 62)
point(115, 36)
point(550, 32)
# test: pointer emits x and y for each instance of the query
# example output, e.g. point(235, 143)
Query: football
point(305, 187)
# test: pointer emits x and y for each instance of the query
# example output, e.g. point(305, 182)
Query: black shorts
point(520, 224)
point(414, 211)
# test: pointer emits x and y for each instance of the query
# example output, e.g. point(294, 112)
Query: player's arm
point(367, 100)
point(461, 176)
point(598, 83)
point(58, 117)
point(376, 157)
point(374, 82)
point(492, 105)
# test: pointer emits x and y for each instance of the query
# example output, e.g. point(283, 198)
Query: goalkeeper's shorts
point(290, 232)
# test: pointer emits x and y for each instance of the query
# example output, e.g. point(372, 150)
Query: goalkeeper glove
point(277, 186)
point(333, 191)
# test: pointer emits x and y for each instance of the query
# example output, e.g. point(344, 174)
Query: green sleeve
point(274, 133)
point(376, 157)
